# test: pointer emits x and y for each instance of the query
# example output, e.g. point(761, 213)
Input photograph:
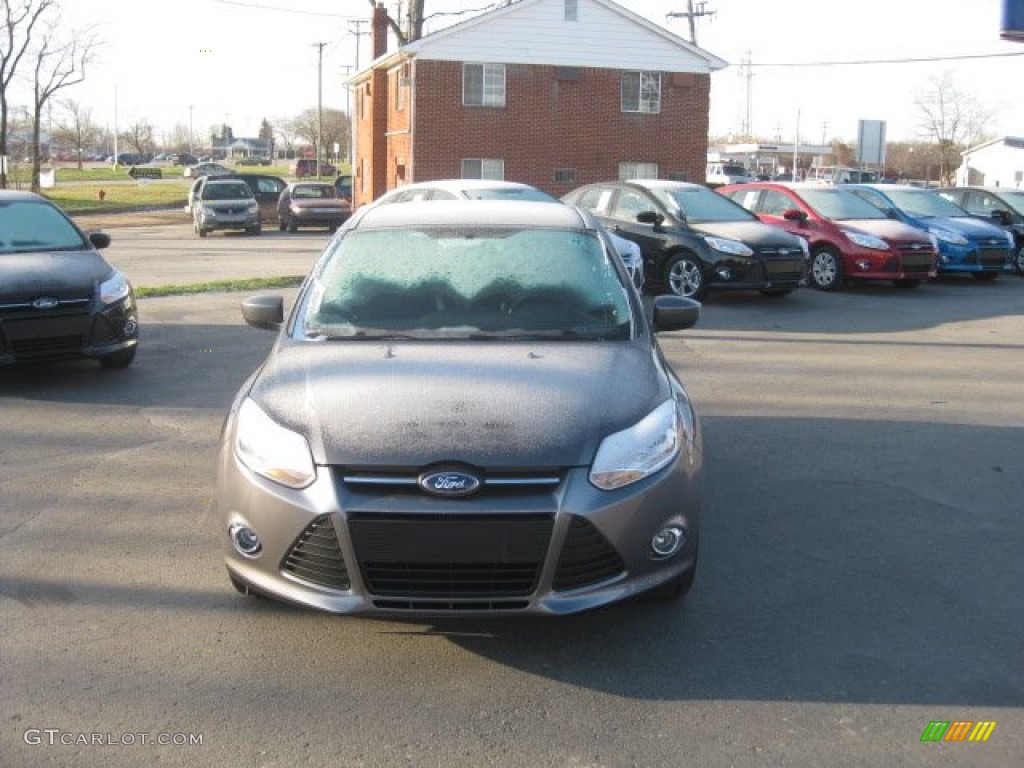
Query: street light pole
point(319, 104)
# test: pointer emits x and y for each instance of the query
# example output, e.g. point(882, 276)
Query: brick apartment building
point(554, 93)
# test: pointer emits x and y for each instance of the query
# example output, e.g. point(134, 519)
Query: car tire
point(1018, 261)
point(293, 225)
point(282, 225)
point(984, 277)
point(200, 232)
point(776, 293)
point(120, 359)
point(907, 283)
point(685, 277)
point(253, 230)
point(826, 273)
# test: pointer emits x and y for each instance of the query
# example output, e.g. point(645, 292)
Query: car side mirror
point(99, 240)
point(265, 311)
point(795, 214)
point(675, 313)
point(1002, 217)
point(650, 217)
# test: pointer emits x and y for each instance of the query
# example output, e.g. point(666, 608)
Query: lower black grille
point(450, 556)
point(587, 558)
point(992, 258)
point(918, 262)
point(441, 605)
point(47, 347)
point(784, 269)
point(316, 557)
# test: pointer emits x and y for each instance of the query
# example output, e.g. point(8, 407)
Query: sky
point(238, 61)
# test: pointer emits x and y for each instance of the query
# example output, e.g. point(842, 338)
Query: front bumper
point(76, 329)
point(216, 221)
point(345, 546)
point(971, 258)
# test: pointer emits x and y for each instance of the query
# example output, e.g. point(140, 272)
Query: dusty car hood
point(750, 232)
point(491, 404)
point(895, 231)
point(60, 274)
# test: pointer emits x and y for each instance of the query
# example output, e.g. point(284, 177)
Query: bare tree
point(58, 65)
point(952, 118)
point(178, 139)
point(335, 128)
point(139, 136)
point(20, 19)
point(76, 128)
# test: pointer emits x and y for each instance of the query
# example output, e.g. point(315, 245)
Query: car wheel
point(120, 359)
point(826, 269)
point(282, 225)
point(1018, 261)
point(984, 276)
point(684, 276)
point(776, 293)
point(293, 225)
point(906, 283)
point(253, 230)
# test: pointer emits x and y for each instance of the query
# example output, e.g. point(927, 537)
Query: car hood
point(887, 229)
point(971, 228)
point(750, 232)
point(491, 404)
point(60, 274)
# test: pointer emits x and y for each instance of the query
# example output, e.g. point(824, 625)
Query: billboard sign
point(871, 142)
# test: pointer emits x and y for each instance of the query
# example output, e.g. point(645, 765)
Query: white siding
point(1000, 163)
point(536, 32)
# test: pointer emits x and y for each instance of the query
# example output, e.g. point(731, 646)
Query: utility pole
point(319, 104)
point(350, 149)
point(358, 32)
point(691, 15)
point(748, 75)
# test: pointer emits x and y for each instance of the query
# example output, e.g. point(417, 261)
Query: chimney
point(379, 31)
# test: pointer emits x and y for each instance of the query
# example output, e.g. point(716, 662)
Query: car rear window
point(468, 284)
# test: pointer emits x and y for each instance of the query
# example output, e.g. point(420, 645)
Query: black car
point(59, 299)
point(694, 239)
point(1001, 206)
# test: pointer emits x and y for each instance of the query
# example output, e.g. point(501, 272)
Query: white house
point(997, 163)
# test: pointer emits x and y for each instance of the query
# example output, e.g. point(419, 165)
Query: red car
point(848, 237)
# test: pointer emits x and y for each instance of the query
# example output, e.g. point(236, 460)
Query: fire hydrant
point(102, 195)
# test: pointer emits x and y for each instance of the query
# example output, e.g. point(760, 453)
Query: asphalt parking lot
point(860, 569)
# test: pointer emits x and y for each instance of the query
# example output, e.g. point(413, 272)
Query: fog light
point(130, 327)
point(245, 540)
point(863, 265)
point(724, 272)
point(668, 541)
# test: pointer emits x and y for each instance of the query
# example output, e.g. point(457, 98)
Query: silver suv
point(225, 204)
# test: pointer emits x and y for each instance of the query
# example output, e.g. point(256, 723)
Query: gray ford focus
point(465, 412)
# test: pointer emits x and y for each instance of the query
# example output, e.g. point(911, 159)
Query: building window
point(677, 176)
point(483, 85)
point(565, 175)
point(483, 169)
point(629, 171)
point(641, 92)
point(571, 10)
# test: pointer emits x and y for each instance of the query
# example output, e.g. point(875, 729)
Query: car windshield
point(925, 204)
point(314, 191)
point(840, 204)
point(510, 193)
point(696, 204)
point(506, 283)
point(29, 225)
point(734, 170)
point(1014, 200)
point(227, 192)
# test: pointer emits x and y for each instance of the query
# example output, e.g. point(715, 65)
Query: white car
point(488, 189)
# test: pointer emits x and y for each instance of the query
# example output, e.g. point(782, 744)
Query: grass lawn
point(75, 198)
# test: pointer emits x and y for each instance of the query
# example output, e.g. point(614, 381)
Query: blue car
point(964, 242)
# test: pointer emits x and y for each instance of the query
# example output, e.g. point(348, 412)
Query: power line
point(884, 61)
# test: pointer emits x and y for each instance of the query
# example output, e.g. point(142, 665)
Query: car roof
point(456, 185)
point(14, 194)
point(663, 184)
point(484, 213)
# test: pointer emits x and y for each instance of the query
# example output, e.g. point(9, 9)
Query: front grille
point(784, 269)
point(316, 556)
point(587, 558)
point(493, 484)
point(47, 347)
point(475, 556)
point(441, 605)
point(920, 261)
point(988, 257)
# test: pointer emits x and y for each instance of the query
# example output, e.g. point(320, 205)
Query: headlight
point(947, 236)
point(253, 207)
point(209, 211)
point(865, 240)
point(640, 451)
point(270, 450)
point(114, 288)
point(294, 209)
point(733, 247)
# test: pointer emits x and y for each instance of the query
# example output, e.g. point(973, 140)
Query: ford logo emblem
point(449, 482)
point(45, 302)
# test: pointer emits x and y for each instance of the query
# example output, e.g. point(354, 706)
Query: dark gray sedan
point(466, 412)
